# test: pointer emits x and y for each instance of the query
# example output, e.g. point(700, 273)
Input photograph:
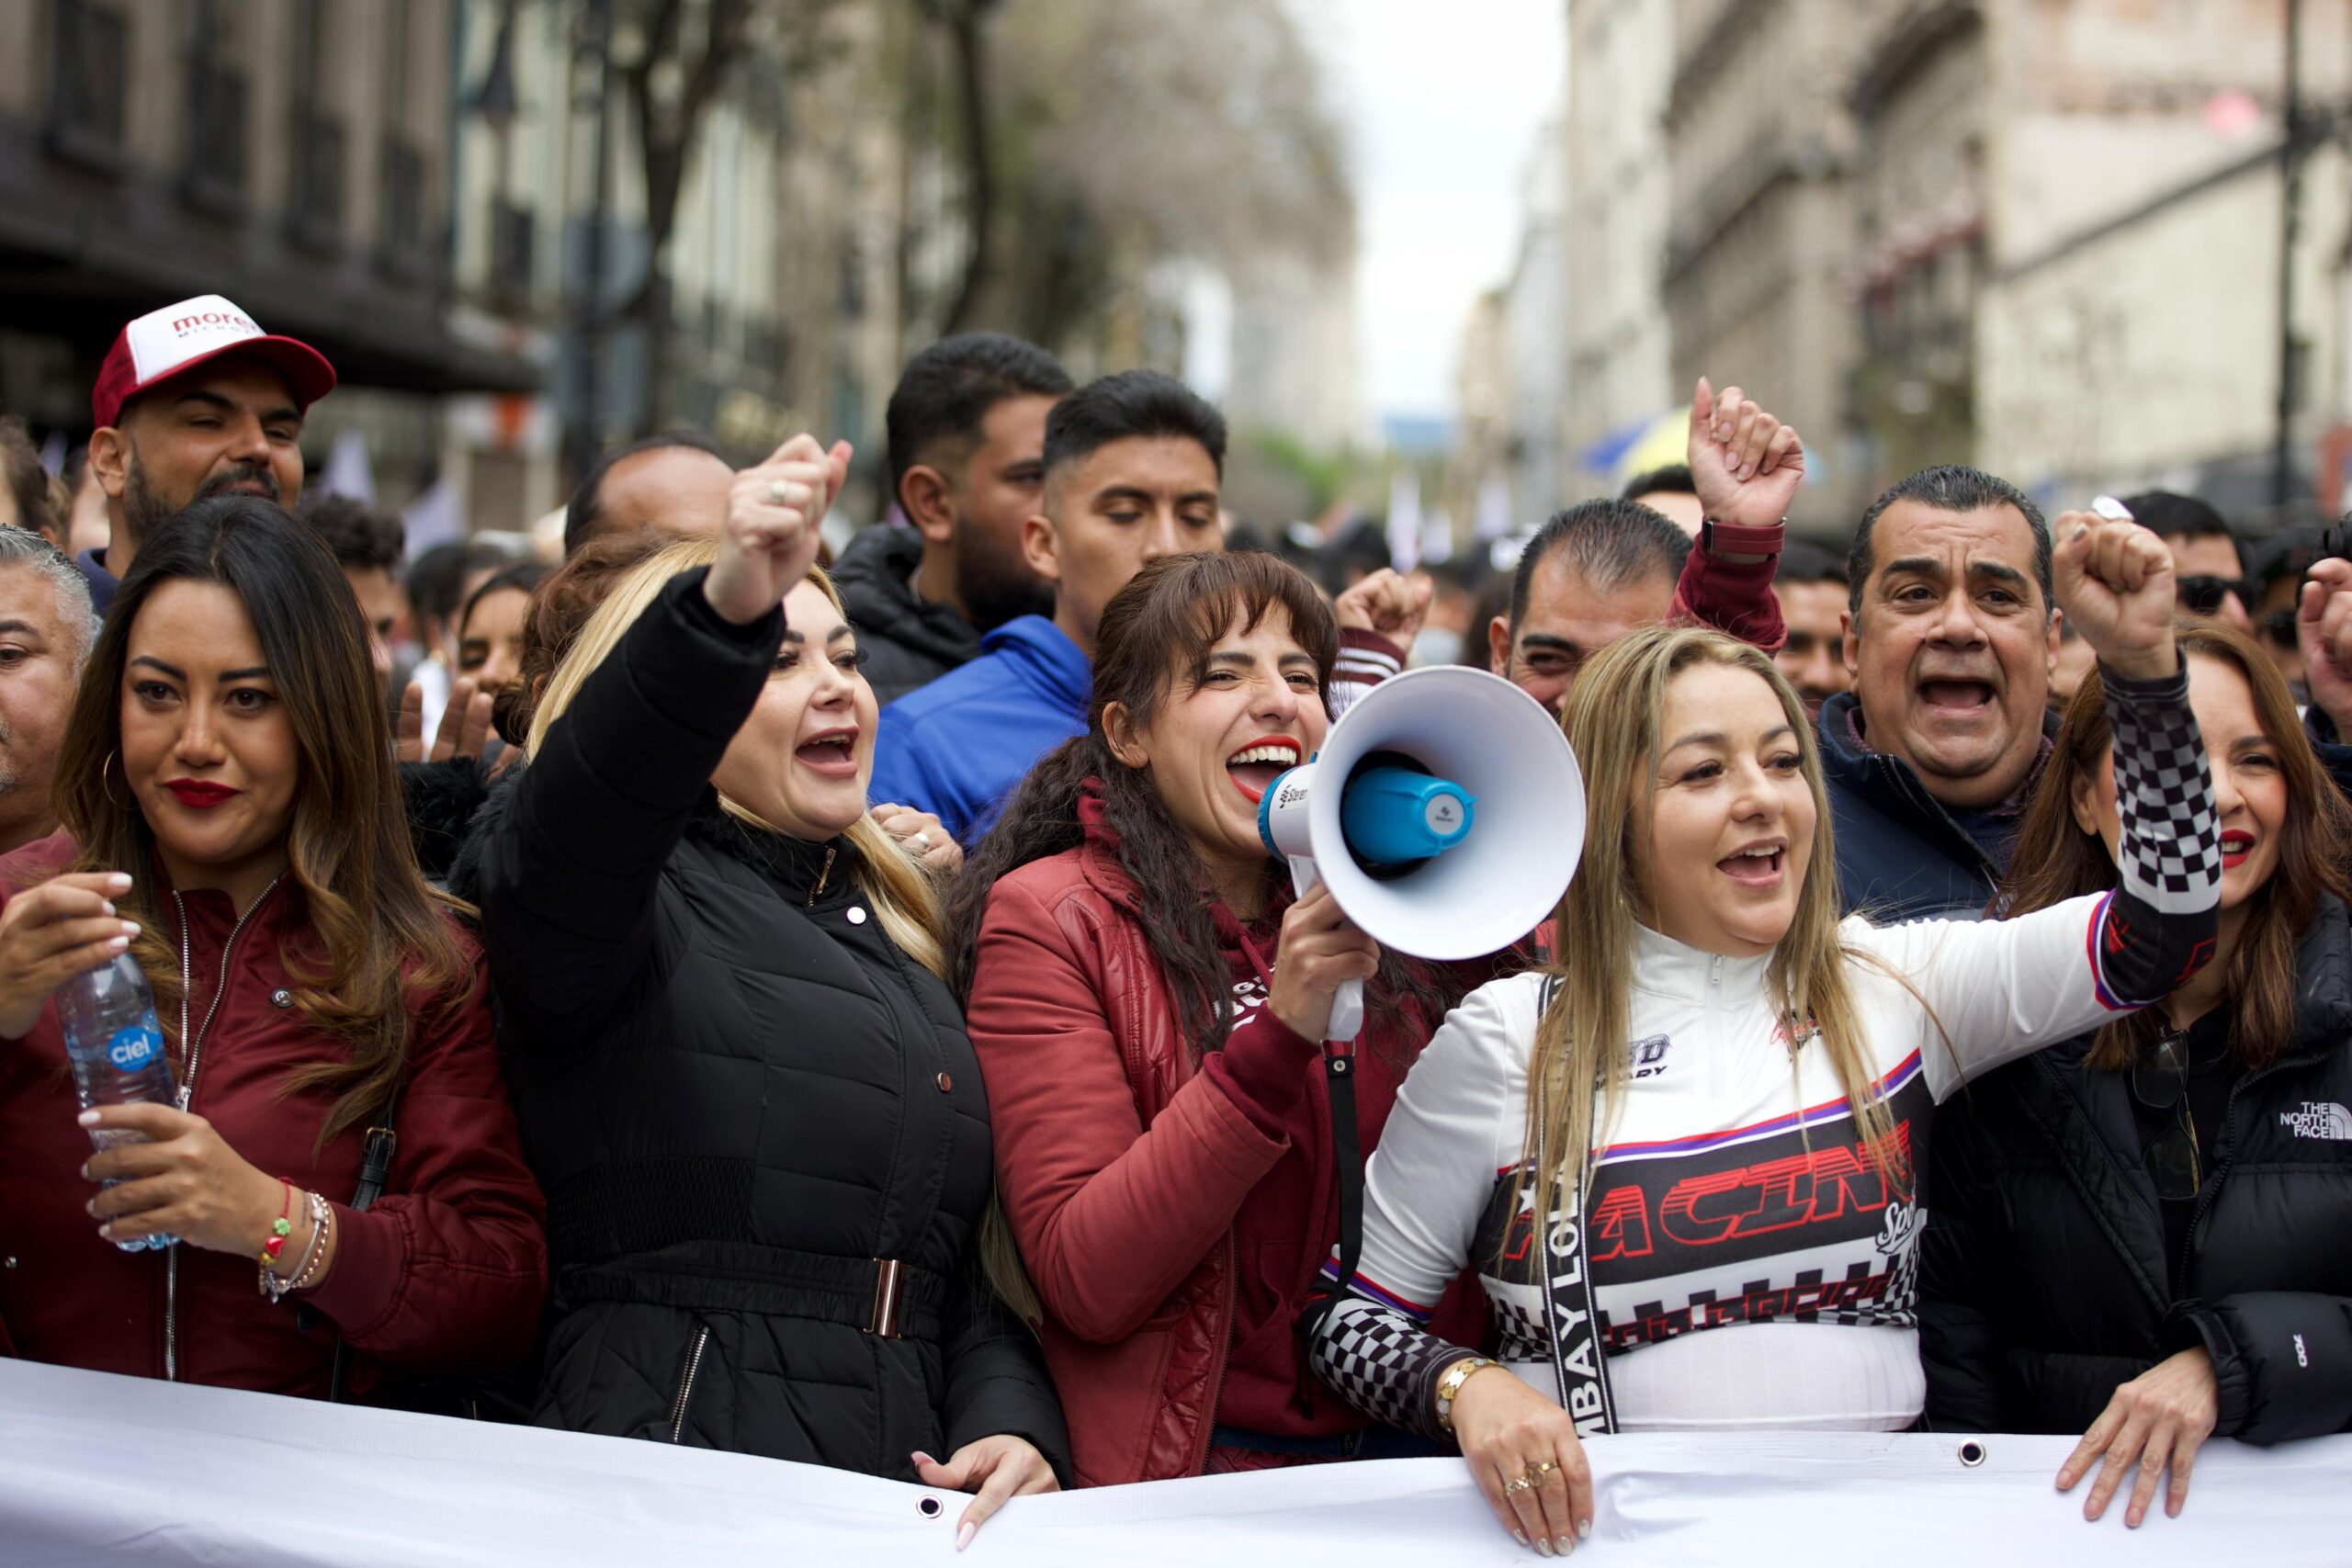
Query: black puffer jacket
point(738, 1094)
point(908, 641)
point(2045, 1282)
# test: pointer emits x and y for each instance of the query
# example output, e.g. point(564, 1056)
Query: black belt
point(881, 1295)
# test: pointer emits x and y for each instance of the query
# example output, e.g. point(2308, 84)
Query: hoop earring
point(106, 784)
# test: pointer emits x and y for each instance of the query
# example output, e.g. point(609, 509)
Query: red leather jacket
point(445, 1272)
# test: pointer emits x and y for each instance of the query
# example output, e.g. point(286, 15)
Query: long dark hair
point(2055, 859)
point(385, 933)
point(1155, 638)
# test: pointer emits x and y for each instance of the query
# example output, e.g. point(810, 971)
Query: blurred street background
point(1447, 267)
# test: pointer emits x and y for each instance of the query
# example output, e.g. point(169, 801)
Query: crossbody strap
point(375, 1170)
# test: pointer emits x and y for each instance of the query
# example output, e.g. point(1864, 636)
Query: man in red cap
point(195, 399)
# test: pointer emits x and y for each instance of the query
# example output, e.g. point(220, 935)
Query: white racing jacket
point(1732, 1192)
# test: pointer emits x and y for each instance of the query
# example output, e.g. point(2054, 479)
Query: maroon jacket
point(446, 1271)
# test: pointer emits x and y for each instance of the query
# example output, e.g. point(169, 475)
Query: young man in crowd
point(1811, 586)
point(673, 483)
point(47, 625)
point(195, 399)
point(966, 430)
point(1606, 567)
point(368, 545)
point(1132, 465)
point(2210, 575)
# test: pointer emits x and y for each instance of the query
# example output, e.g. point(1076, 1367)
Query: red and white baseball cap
point(176, 339)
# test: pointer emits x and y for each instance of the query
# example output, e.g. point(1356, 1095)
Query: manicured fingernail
point(130, 928)
point(963, 1536)
point(1544, 1546)
point(117, 944)
point(1584, 1529)
point(119, 881)
point(91, 1208)
point(106, 1232)
point(87, 1119)
point(923, 1457)
point(1566, 1546)
point(1520, 1535)
point(106, 908)
point(86, 1172)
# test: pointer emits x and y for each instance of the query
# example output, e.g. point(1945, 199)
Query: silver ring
point(777, 496)
point(920, 841)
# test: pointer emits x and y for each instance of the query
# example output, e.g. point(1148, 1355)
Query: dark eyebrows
point(1998, 571)
point(281, 415)
point(839, 632)
point(1110, 493)
point(13, 625)
point(1547, 641)
point(1915, 566)
point(1197, 498)
point(251, 672)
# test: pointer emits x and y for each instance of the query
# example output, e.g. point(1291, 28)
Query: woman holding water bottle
point(233, 824)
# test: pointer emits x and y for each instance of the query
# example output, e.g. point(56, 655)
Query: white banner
point(107, 1470)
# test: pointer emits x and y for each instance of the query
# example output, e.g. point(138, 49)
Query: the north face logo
point(2319, 1119)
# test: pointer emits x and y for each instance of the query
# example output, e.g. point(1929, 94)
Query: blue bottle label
point(132, 1049)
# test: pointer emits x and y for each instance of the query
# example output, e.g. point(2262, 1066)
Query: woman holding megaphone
point(1148, 1003)
point(1708, 1113)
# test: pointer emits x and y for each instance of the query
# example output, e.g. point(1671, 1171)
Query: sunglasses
point(2203, 595)
point(2160, 1082)
point(1801, 645)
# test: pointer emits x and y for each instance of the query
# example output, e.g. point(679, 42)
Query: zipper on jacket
point(824, 870)
point(1715, 969)
point(188, 1093)
point(686, 1385)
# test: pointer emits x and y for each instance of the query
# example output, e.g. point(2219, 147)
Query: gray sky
point(1441, 104)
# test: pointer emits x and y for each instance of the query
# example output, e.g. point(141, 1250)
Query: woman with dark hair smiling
point(232, 818)
point(1149, 1004)
point(2139, 1236)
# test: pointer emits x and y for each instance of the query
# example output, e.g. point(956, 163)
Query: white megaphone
point(1446, 812)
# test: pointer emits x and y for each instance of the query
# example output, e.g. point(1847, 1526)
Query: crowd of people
point(843, 1011)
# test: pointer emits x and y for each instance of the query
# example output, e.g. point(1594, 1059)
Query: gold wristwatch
point(1449, 1386)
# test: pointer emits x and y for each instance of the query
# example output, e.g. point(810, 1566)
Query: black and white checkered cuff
point(1384, 1363)
point(2169, 857)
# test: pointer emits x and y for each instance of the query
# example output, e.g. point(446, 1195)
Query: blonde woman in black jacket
point(741, 1079)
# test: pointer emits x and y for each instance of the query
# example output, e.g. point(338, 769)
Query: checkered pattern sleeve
point(1996, 989)
point(1384, 1363)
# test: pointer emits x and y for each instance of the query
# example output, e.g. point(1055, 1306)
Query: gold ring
point(1513, 1488)
point(1538, 1472)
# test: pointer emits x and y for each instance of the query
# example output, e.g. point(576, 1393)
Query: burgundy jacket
point(445, 1272)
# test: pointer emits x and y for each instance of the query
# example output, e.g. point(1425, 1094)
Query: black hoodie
point(909, 642)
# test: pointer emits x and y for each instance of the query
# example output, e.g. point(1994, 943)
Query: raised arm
point(1746, 466)
point(568, 875)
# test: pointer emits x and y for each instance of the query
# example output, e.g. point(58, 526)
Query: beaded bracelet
point(276, 1286)
point(323, 1217)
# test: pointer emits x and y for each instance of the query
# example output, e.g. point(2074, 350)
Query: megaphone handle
point(1347, 1002)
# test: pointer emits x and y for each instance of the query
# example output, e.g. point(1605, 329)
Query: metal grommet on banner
point(1972, 1453)
point(931, 1507)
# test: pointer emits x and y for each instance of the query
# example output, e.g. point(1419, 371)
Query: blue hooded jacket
point(957, 747)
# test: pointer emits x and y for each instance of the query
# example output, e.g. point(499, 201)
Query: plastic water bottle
point(117, 1049)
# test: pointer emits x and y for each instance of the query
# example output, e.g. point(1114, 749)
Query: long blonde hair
point(1580, 1069)
point(893, 881)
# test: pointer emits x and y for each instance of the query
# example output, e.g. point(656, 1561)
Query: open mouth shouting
point(1762, 864)
point(1957, 698)
point(1256, 767)
point(829, 753)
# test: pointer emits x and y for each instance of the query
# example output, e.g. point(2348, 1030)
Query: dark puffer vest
point(761, 1126)
point(2046, 1280)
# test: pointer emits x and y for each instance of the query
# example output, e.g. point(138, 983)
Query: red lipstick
point(198, 795)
